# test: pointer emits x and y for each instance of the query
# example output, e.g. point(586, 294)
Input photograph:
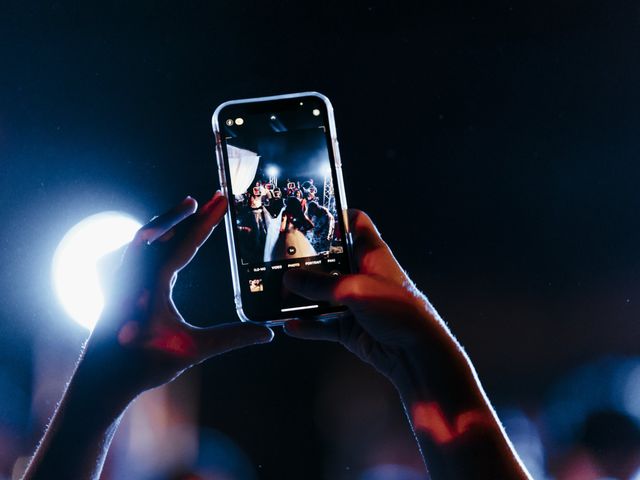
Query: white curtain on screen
point(243, 165)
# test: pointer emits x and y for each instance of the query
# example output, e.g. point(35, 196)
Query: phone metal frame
point(348, 240)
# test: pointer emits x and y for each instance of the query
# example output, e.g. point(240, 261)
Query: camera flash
point(316, 112)
point(273, 117)
point(239, 121)
point(229, 122)
point(301, 103)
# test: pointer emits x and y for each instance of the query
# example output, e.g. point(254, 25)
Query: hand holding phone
point(262, 143)
point(393, 327)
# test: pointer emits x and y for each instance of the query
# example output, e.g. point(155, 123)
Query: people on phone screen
point(271, 227)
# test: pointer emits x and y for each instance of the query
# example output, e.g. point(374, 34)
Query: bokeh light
point(273, 171)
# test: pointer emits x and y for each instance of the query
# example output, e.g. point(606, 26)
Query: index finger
point(312, 285)
point(161, 224)
point(187, 242)
point(348, 290)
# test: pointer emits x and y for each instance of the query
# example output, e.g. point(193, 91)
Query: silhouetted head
point(313, 208)
point(293, 206)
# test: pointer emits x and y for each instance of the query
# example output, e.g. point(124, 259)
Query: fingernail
point(190, 206)
point(268, 336)
point(215, 200)
point(189, 201)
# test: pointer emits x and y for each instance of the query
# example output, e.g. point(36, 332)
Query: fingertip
point(363, 220)
point(190, 204)
point(311, 284)
point(267, 335)
point(217, 195)
point(311, 330)
point(256, 333)
point(353, 214)
point(214, 202)
point(359, 218)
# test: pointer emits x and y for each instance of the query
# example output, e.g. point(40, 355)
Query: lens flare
point(74, 268)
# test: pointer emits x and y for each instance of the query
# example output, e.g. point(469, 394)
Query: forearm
point(456, 428)
point(76, 442)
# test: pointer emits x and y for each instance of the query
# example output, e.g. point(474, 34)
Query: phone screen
point(284, 202)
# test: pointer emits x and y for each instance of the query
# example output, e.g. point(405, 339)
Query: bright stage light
point(74, 269)
point(272, 171)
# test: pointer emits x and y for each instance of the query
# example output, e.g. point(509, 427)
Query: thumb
point(313, 330)
point(229, 336)
point(313, 285)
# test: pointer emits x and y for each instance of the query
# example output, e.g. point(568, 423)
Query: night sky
point(495, 145)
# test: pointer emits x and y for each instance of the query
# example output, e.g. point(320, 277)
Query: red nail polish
point(215, 200)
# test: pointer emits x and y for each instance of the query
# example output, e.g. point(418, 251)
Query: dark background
point(495, 144)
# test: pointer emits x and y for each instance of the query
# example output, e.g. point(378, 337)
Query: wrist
point(452, 419)
point(96, 385)
point(102, 377)
point(430, 364)
point(81, 429)
point(435, 369)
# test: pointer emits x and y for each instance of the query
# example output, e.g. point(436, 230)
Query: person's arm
point(394, 327)
point(332, 224)
point(140, 342)
point(307, 224)
point(283, 223)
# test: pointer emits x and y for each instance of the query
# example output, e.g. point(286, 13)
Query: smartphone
point(288, 142)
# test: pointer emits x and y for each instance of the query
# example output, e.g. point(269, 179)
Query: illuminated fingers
point(312, 285)
point(313, 330)
point(165, 222)
point(349, 290)
point(378, 305)
point(187, 241)
point(364, 230)
point(143, 259)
